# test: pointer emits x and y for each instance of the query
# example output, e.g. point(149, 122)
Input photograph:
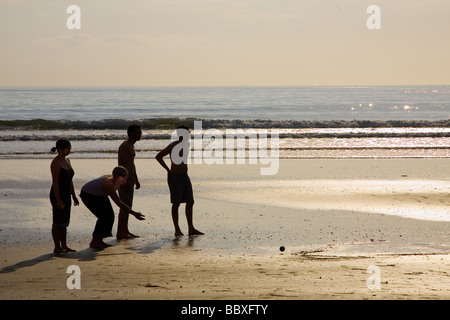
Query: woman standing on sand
point(61, 192)
point(95, 195)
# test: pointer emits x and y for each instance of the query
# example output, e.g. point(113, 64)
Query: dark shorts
point(180, 188)
point(61, 217)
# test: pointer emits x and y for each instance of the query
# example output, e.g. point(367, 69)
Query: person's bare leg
point(122, 226)
point(126, 195)
point(175, 207)
point(56, 234)
point(64, 246)
point(189, 217)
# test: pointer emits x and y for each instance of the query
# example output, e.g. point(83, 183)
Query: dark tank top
point(65, 183)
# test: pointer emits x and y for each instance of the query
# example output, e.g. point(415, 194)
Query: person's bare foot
point(195, 232)
point(128, 235)
point(178, 232)
point(67, 249)
point(98, 244)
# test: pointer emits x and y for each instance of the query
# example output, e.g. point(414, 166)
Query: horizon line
point(219, 86)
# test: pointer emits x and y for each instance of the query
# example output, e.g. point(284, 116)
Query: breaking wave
point(160, 129)
point(172, 123)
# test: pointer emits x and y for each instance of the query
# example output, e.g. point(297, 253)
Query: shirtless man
point(179, 183)
point(126, 157)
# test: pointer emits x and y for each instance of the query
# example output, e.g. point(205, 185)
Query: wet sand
point(336, 218)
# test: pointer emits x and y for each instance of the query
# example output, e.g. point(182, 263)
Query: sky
point(224, 43)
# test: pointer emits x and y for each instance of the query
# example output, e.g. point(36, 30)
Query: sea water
point(312, 122)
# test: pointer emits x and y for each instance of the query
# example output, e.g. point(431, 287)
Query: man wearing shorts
point(179, 183)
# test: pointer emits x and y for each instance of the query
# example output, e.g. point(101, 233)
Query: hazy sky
point(224, 42)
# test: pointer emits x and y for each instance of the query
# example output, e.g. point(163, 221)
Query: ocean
point(312, 122)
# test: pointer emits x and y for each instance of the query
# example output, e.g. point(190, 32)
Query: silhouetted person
point(61, 194)
point(179, 183)
point(126, 157)
point(95, 196)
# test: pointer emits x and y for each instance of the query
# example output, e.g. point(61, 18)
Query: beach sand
point(336, 218)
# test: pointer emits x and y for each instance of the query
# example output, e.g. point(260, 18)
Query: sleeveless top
point(94, 188)
point(65, 183)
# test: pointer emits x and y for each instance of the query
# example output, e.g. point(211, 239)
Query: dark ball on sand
point(282, 248)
